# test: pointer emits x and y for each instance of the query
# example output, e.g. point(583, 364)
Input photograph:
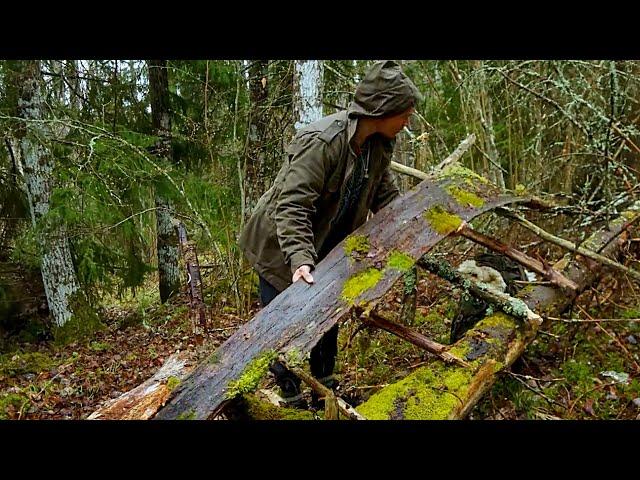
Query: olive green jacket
point(293, 218)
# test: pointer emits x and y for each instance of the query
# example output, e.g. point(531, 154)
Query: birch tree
point(307, 92)
point(60, 281)
point(168, 269)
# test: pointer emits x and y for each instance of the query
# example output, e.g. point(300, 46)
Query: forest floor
point(581, 370)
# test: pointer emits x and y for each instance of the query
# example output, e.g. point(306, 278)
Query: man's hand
point(302, 272)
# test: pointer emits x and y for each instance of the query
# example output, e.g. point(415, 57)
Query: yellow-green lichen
point(442, 221)
point(172, 383)
point(356, 243)
point(400, 261)
point(360, 283)
point(465, 198)
point(429, 393)
point(253, 373)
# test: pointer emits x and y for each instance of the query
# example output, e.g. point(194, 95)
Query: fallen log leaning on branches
point(440, 391)
point(359, 271)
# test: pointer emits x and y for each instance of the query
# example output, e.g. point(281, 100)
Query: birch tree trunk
point(60, 280)
point(167, 239)
point(308, 92)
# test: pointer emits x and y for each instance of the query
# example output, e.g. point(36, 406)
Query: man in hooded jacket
point(335, 171)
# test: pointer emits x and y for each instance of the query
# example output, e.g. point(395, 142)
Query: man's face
point(390, 126)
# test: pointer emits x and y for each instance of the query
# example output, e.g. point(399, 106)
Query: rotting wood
point(566, 244)
point(378, 320)
point(298, 317)
point(143, 402)
point(441, 391)
point(518, 256)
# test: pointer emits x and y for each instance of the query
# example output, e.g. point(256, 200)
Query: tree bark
point(308, 92)
point(256, 171)
point(59, 277)
point(169, 273)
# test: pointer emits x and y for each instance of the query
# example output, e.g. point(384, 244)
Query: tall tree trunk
point(60, 280)
point(308, 92)
point(256, 175)
point(168, 269)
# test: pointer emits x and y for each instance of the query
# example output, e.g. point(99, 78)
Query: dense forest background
point(100, 158)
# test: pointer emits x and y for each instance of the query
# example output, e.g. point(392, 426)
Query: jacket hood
point(384, 90)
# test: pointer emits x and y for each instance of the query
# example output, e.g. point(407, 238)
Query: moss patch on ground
point(257, 409)
point(13, 364)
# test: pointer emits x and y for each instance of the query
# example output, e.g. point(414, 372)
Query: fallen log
point(440, 391)
point(359, 271)
point(143, 402)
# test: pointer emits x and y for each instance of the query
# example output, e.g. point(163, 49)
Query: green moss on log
point(172, 383)
point(429, 393)
point(400, 261)
point(459, 172)
point(442, 221)
point(464, 198)
point(253, 373)
point(358, 244)
point(360, 283)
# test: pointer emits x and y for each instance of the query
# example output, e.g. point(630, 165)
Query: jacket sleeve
point(309, 163)
point(387, 191)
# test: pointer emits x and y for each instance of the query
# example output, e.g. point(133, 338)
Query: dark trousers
point(323, 356)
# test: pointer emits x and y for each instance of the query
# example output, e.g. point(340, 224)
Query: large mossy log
point(359, 271)
point(440, 391)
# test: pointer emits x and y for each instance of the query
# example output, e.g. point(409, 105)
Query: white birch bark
point(59, 277)
point(308, 92)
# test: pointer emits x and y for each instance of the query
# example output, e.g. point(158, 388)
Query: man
point(336, 170)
